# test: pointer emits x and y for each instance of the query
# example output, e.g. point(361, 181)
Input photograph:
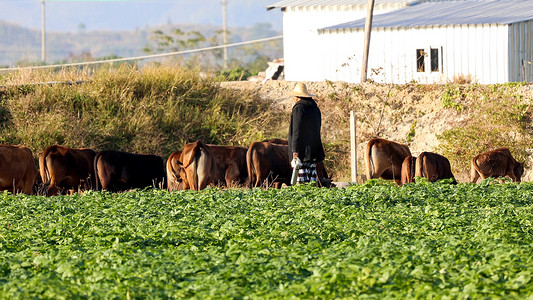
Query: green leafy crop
point(375, 240)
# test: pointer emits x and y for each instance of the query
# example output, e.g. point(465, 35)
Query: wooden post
point(368, 29)
point(523, 71)
point(353, 146)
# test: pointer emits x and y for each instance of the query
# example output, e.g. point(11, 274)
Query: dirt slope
point(411, 114)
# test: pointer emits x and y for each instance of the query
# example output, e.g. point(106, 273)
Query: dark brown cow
point(384, 159)
point(277, 141)
point(230, 165)
point(65, 169)
point(212, 164)
point(174, 180)
point(433, 166)
point(17, 169)
point(496, 163)
point(408, 169)
point(268, 163)
point(120, 171)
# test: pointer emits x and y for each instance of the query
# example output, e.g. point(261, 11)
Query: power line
point(144, 57)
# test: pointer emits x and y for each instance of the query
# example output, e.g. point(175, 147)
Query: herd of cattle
point(390, 160)
point(198, 165)
point(66, 170)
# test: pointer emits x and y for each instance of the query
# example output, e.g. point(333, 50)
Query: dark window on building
point(434, 54)
point(420, 66)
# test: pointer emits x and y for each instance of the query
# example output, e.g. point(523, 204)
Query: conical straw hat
point(300, 90)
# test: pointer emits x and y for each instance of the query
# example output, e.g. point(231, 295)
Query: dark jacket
point(304, 131)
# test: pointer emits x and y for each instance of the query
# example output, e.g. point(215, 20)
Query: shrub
point(499, 117)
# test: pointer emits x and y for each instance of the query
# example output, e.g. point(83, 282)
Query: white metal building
point(490, 40)
point(301, 21)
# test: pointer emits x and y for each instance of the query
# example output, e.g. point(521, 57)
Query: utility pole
point(225, 32)
point(368, 29)
point(43, 33)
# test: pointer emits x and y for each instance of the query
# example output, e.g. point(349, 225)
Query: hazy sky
point(64, 15)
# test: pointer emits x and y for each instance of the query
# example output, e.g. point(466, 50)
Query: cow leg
point(27, 187)
point(232, 175)
point(28, 182)
point(474, 174)
point(513, 177)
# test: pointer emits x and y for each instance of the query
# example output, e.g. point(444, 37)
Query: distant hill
point(136, 14)
point(20, 44)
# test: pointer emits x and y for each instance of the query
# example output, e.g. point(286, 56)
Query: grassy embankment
point(160, 109)
point(499, 116)
point(485, 117)
point(153, 110)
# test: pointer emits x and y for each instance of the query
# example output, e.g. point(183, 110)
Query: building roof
point(308, 3)
point(450, 13)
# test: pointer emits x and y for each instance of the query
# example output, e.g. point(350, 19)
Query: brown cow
point(174, 179)
point(408, 169)
point(384, 159)
point(433, 166)
point(277, 141)
point(230, 165)
point(120, 171)
point(212, 164)
point(17, 169)
point(65, 168)
point(496, 163)
point(195, 166)
point(268, 163)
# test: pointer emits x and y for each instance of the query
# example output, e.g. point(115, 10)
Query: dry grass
point(150, 110)
point(462, 79)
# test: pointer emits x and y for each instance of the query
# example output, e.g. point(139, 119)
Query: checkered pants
point(307, 173)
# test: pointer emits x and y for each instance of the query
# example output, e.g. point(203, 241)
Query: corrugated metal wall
point(521, 48)
point(479, 51)
point(301, 45)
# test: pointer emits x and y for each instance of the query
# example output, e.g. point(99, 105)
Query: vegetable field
point(374, 240)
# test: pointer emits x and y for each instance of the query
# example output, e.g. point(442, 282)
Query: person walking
point(305, 143)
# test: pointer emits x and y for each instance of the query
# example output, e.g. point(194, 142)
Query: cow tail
point(171, 176)
point(369, 162)
point(187, 161)
point(43, 168)
point(96, 178)
point(250, 166)
point(474, 170)
point(412, 167)
point(194, 163)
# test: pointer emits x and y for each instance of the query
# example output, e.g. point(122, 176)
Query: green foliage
point(499, 117)
point(174, 41)
point(412, 132)
point(451, 95)
point(235, 74)
point(376, 240)
point(153, 110)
